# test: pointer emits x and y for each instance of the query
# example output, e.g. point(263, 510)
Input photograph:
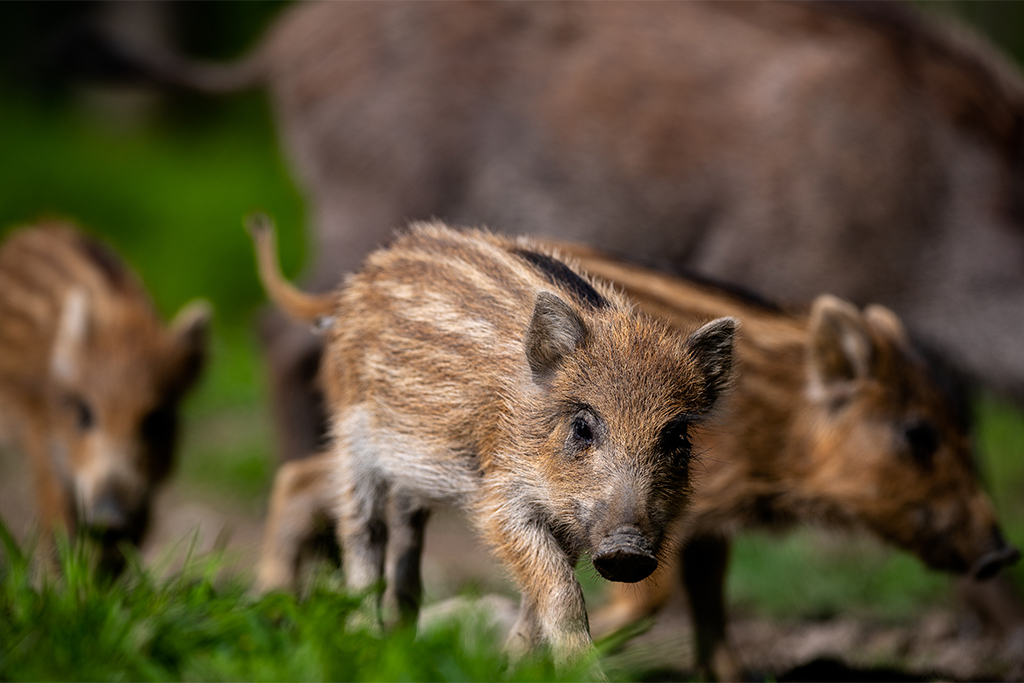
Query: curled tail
point(312, 308)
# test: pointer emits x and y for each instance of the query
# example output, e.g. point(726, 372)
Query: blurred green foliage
point(999, 20)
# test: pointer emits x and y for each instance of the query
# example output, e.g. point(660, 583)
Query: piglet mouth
point(106, 535)
point(112, 526)
point(625, 555)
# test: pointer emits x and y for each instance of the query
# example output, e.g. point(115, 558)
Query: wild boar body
point(793, 148)
point(90, 380)
point(467, 369)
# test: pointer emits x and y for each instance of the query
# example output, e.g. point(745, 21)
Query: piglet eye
point(82, 412)
point(677, 440)
point(923, 439)
point(582, 431)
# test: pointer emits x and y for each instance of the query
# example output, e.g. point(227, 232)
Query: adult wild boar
point(793, 148)
point(90, 381)
point(835, 418)
point(466, 369)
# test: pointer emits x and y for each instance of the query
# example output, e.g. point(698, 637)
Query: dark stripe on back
point(109, 264)
point(562, 275)
point(738, 293)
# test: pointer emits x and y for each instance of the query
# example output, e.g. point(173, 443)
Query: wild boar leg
point(302, 490)
point(362, 523)
point(552, 608)
point(705, 561)
point(406, 524)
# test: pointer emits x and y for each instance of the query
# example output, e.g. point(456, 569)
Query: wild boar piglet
point(483, 372)
point(90, 381)
point(837, 418)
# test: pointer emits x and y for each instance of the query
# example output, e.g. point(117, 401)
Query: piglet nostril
point(625, 556)
point(990, 563)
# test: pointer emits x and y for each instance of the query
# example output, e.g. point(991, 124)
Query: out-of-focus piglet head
point(892, 445)
point(117, 375)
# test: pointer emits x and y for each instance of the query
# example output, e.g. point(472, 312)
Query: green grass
point(227, 450)
point(811, 575)
point(196, 625)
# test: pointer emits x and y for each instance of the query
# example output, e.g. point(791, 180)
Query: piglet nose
point(1002, 555)
point(108, 515)
point(625, 555)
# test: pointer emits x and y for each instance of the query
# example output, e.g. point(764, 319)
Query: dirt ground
point(939, 645)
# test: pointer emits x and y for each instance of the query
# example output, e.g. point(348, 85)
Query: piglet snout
point(625, 555)
point(1002, 555)
point(107, 517)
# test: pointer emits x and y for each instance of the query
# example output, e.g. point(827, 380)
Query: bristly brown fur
point(90, 380)
point(457, 371)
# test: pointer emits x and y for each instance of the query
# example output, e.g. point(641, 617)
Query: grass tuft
point(198, 624)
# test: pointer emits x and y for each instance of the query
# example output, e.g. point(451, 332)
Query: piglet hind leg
point(302, 491)
point(407, 522)
point(363, 534)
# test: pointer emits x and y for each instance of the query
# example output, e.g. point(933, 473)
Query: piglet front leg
point(552, 611)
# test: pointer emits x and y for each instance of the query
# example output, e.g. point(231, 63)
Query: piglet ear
point(839, 349)
point(190, 336)
point(887, 324)
point(556, 330)
point(712, 348)
point(72, 333)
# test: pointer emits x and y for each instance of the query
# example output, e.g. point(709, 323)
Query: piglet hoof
point(625, 556)
point(725, 668)
point(272, 577)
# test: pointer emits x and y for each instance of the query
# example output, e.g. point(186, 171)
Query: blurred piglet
point(837, 419)
point(90, 381)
